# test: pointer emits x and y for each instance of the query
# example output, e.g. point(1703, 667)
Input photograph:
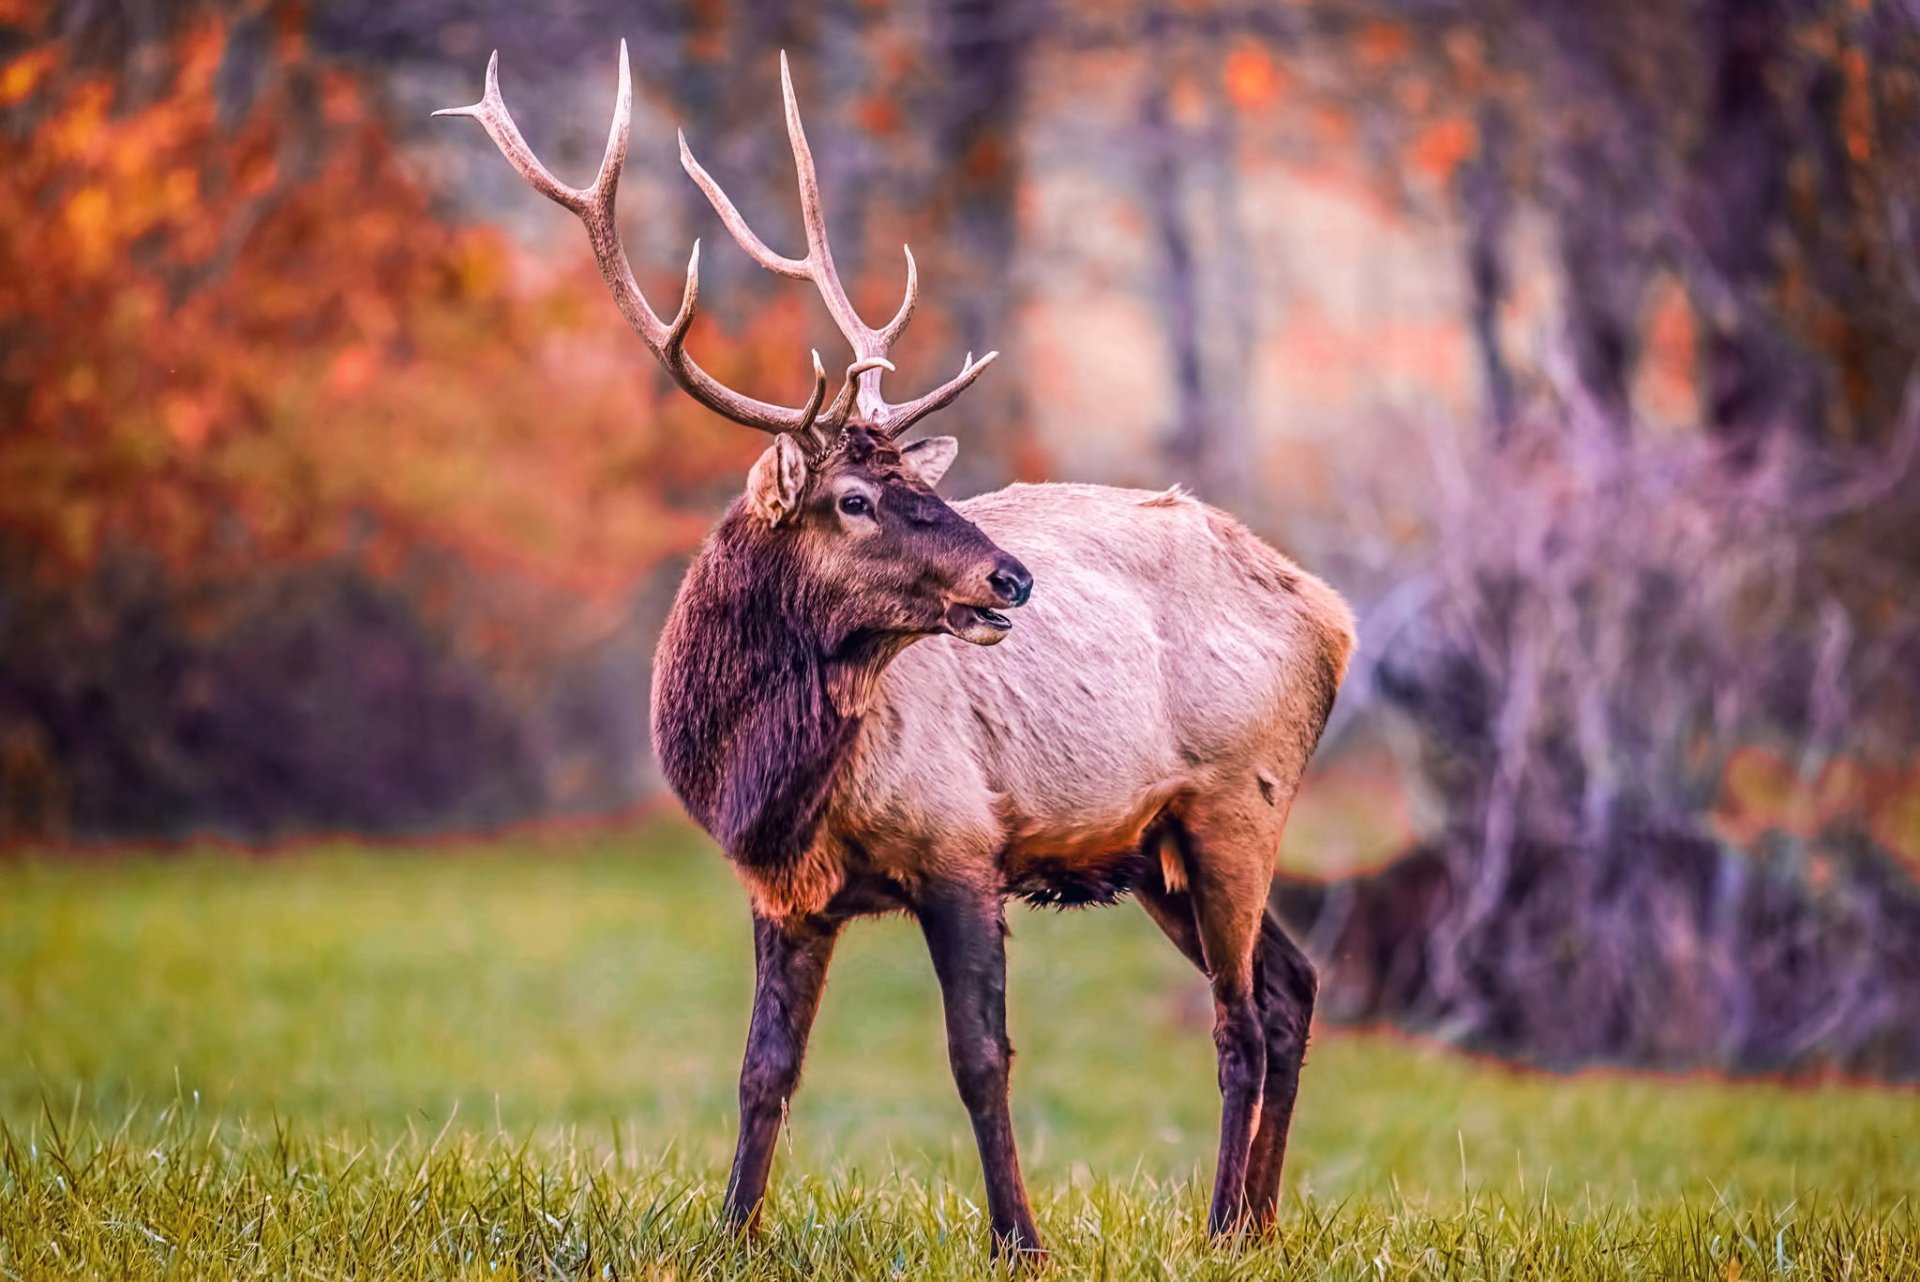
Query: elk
point(840, 701)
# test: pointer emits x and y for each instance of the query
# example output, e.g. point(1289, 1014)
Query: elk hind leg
point(1285, 987)
point(1227, 850)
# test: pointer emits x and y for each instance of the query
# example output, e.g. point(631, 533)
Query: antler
point(859, 398)
point(868, 343)
point(594, 206)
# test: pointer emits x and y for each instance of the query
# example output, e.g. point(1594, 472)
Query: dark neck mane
point(745, 717)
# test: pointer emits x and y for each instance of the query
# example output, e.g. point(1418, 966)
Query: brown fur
point(774, 647)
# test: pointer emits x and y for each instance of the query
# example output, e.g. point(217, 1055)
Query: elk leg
point(1172, 912)
point(790, 970)
point(1286, 986)
point(966, 934)
point(1229, 873)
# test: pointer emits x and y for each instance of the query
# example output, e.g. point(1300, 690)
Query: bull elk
point(1141, 731)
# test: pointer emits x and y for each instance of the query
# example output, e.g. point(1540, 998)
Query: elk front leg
point(790, 970)
point(966, 933)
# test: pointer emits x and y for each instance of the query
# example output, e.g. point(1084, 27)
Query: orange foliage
point(1762, 793)
point(879, 115)
point(235, 340)
point(1441, 147)
point(1666, 380)
point(1381, 42)
point(1857, 111)
point(1333, 124)
point(1253, 82)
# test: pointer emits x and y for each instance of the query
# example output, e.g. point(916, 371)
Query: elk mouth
point(977, 624)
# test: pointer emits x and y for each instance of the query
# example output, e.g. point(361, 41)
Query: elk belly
point(1070, 867)
point(1086, 882)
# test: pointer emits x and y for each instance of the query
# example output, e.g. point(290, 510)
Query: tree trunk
point(980, 51)
point(1486, 195)
point(1737, 193)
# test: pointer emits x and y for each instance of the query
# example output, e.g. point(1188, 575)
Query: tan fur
point(1172, 871)
point(1169, 662)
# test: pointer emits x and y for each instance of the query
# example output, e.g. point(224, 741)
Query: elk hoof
point(1022, 1248)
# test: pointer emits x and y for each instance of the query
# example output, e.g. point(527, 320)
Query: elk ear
point(931, 458)
point(774, 485)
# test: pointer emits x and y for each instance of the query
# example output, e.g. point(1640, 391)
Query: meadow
point(517, 1059)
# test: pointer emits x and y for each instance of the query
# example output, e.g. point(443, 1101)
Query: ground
point(517, 1058)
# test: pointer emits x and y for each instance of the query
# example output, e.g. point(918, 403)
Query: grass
point(517, 1060)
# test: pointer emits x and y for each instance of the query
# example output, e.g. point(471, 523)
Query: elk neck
point(759, 693)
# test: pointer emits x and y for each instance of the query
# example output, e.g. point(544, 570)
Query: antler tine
point(798, 268)
point(902, 417)
point(491, 111)
point(689, 300)
point(891, 330)
point(837, 413)
point(819, 250)
point(594, 206)
point(809, 432)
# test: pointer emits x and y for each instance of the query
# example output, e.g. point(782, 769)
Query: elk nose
point(1011, 581)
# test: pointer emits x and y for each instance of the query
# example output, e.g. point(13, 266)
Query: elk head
point(839, 502)
point(881, 555)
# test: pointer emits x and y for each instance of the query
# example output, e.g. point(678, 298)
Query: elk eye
point(856, 505)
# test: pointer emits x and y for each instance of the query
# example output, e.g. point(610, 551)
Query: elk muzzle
point(1008, 585)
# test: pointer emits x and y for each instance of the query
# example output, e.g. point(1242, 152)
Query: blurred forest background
point(1575, 342)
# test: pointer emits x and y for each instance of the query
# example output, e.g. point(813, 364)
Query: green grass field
point(517, 1060)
